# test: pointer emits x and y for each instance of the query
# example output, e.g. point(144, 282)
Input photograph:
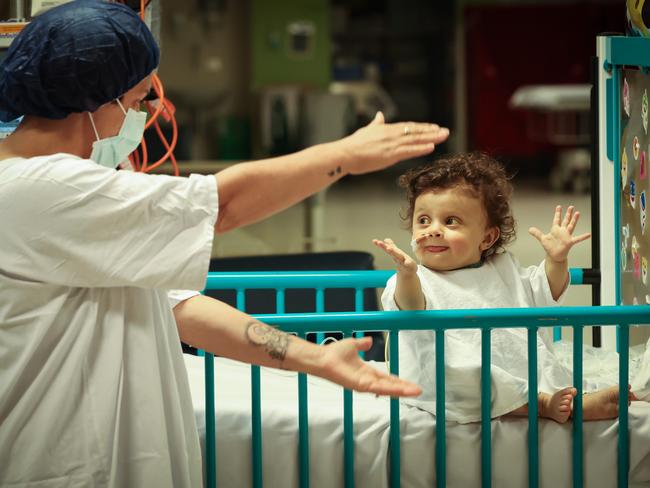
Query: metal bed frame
point(350, 323)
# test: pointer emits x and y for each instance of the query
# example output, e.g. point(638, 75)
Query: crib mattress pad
point(279, 396)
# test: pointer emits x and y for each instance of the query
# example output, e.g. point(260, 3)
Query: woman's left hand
point(559, 240)
point(379, 145)
point(340, 362)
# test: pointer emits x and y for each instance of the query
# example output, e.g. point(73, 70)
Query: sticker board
point(634, 183)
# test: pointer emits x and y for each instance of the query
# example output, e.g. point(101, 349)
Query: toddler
point(460, 218)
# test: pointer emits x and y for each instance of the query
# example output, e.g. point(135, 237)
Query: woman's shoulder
point(24, 166)
point(51, 173)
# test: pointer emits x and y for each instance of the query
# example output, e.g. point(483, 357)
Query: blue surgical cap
point(75, 58)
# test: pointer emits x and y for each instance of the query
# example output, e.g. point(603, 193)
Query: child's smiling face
point(450, 229)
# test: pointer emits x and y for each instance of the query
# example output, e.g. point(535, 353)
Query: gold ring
point(407, 130)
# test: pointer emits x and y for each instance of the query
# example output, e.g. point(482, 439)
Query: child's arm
point(557, 244)
point(408, 290)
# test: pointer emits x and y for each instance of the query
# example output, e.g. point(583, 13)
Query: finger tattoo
point(274, 341)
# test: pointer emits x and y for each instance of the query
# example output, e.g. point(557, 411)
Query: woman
point(93, 390)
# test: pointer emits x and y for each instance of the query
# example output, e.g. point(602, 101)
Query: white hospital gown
point(499, 282)
point(93, 388)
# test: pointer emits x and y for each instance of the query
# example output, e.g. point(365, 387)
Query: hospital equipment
point(604, 453)
point(46, 71)
point(45, 54)
point(560, 114)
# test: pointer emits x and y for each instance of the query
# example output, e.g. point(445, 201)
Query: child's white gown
point(499, 282)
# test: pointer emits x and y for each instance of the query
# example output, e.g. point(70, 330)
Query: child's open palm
point(403, 261)
point(559, 241)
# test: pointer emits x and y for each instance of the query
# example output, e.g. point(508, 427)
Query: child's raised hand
point(559, 241)
point(403, 261)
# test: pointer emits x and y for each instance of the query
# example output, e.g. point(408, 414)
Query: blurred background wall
point(252, 78)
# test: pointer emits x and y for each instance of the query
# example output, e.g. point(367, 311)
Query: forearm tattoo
point(334, 172)
point(274, 341)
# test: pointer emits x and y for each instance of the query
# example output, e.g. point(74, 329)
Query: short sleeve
point(177, 296)
point(76, 223)
point(537, 281)
point(388, 296)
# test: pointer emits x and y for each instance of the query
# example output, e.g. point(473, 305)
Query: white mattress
point(371, 421)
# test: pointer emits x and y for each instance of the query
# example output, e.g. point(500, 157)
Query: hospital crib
point(358, 322)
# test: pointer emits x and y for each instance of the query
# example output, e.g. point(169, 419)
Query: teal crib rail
point(350, 323)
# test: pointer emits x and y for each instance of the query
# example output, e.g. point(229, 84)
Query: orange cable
point(135, 160)
point(156, 83)
point(145, 155)
point(170, 147)
point(153, 120)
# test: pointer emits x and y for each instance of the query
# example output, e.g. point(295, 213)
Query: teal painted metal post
point(557, 334)
point(348, 412)
point(320, 308)
point(256, 408)
point(486, 408)
point(210, 423)
point(303, 427)
point(256, 426)
point(302, 391)
point(623, 421)
point(279, 301)
point(577, 276)
point(395, 455)
point(578, 456)
point(441, 441)
point(616, 143)
point(358, 307)
point(348, 437)
point(533, 425)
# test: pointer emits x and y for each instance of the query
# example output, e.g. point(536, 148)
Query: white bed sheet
point(371, 427)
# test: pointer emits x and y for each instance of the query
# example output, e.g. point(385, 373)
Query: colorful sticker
point(635, 148)
point(625, 232)
point(624, 167)
point(643, 172)
point(642, 206)
point(644, 270)
point(632, 193)
point(644, 110)
point(636, 258)
point(626, 97)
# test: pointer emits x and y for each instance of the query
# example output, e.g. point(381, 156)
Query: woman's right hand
point(340, 362)
point(404, 262)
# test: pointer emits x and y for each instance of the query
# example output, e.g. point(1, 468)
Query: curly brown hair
point(482, 175)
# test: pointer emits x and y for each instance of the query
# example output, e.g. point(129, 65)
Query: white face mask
point(112, 151)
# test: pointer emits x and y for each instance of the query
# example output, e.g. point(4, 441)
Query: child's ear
point(491, 236)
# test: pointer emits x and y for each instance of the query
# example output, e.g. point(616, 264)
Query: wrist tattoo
point(274, 341)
